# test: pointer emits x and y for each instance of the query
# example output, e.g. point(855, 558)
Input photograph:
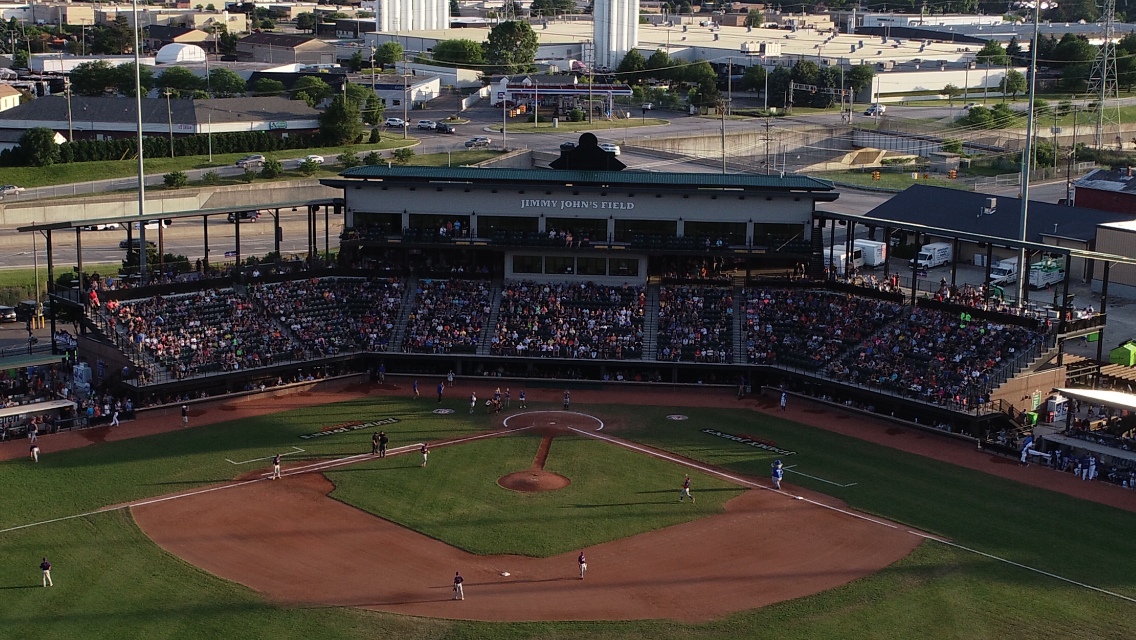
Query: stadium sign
point(348, 427)
point(528, 203)
point(749, 441)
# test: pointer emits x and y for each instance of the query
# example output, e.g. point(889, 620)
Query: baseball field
point(156, 530)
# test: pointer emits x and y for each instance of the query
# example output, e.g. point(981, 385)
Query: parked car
point(442, 127)
point(970, 104)
point(243, 216)
point(249, 162)
point(135, 243)
point(567, 146)
point(110, 226)
point(10, 190)
point(152, 225)
point(875, 110)
point(610, 148)
point(427, 124)
point(313, 158)
point(395, 122)
point(479, 141)
point(648, 106)
point(7, 314)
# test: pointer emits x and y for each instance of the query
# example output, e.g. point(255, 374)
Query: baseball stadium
point(564, 403)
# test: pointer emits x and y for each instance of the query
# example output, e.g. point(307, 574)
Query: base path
point(290, 541)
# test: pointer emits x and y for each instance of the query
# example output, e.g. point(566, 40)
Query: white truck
point(875, 253)
point(1004, 272)
point(1045, 273)
point(934, 255)
point(841, 258)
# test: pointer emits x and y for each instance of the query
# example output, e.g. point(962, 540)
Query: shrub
point(375, 136)
point(373, 158)
point(348, 159)
point(249, 175)
point(272, 169)
point(309, 167)
point(402, 156)
point(576, 115)
point(211, 177)
point(176, 179)
point(951, 145)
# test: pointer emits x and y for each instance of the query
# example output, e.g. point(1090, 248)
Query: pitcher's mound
point(533, 480)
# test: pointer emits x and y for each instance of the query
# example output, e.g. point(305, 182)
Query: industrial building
point(410, 15)
point(616, 31)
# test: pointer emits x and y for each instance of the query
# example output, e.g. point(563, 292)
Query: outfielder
point(685, 491)
point(778, 473)
point(276, 467)
point(583, 564)
point(46, 566)
point(425, 452)
point(459, 594)
point(472, 402)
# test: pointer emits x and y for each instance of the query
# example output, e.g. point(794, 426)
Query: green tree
point(368, 102)
point(459, 52)
point(312, 89)
point(1013, 83)
point(123, 77)
point(114, 39)
point(859, 77)
point(373, 158)
point(755, 18)
point(992, 53)
point(388, 53)
point(225, 83)
point(630, 67)
point(375, 136)
point(175, 179)
point(402, 156)
point(1073, 49)
point(978, 118)
point(349, 159)
point(699, 72)
point(309, 167)
point(754, 78)
point(341, 122)
point(268, 87)
point(511, 47)
point(952, 145)
point(307, 22)
point(355, 62)
point(20, 58)
point(658, 65)
point(779, 80)
point(268, 24)
point(805, 72)
point(272, 169)
point(455, 9)
point(227, 42)
point(1003, 116)
point(1014, 51)
point(38, 147)
point(180, 79)
point(952, 92)
point(92, 79)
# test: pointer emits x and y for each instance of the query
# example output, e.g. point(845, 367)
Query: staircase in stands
point(651, 319)
point(485, 340)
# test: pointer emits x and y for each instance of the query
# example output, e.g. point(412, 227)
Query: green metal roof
point(593, 178)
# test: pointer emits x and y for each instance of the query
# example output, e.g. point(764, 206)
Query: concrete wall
point(251, 196)
point(811, 144)
point(520, 159)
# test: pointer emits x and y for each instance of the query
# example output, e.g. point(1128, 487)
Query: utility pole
point(405, 111)
point(1023, 268)
point(767, 138)
point(141, 163)
point(170, 115)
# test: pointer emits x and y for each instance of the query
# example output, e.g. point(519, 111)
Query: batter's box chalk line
point(290, 453)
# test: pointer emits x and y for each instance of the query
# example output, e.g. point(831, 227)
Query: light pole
point(141, 164)
point(170, 116)
point(405, 110)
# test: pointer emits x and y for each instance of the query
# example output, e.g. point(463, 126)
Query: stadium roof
point(957, 210)
point(609, 179)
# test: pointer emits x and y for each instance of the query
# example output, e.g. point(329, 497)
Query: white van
point(841, 259)
point(875, 253)
point(934, 254)
point(152, 225)
point(1046, 273)
point(1004, 272)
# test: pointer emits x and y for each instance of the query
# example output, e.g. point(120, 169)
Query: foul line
point(743, 481)
point(835, 484)
point(297, 450)
point(576, 413)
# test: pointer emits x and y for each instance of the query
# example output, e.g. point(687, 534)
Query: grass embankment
point(109, 577)
point(545, 125)
point(70, 172)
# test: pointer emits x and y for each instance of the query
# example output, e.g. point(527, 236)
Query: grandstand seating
point(570, 320)
point(447, 316)
point(695, 324)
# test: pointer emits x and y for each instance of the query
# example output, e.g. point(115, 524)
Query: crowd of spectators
point(570, 320)
point(698, 269)
point(934, 356)
point(809, 328)
point(695, 324)
point(215, 330)
point(328, 315)
point(447, 316)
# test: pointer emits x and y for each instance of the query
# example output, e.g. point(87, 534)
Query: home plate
point(505, 573)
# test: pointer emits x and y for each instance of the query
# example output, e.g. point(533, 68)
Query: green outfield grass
point(615, 493)
point(112, 582)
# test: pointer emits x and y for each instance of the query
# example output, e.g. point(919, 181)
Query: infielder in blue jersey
point(778, 473)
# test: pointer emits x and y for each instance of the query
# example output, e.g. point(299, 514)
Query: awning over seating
point(1113, 399)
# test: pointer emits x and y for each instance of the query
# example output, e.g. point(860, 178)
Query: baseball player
point(383, 440)
point(184, 414)
point(375, 444)
point(46, 567)
point(685, 490)
point(382, 373)
point(276, 467)
point(472, 402)
point(459, 594)
point(784, 399)
point(507, 397)
point(522, 399)
point(114, 419)
point(441, 388)
point(497, 394)
point(425, 452)
point(583, 564)
point(416, 396)
point(567, 399)
point(33, 433)
point(34, 452)
point(450, 378)
point(778, 473)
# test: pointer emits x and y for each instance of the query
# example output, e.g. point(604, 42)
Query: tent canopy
point(1113, 399)
point(178, 52)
